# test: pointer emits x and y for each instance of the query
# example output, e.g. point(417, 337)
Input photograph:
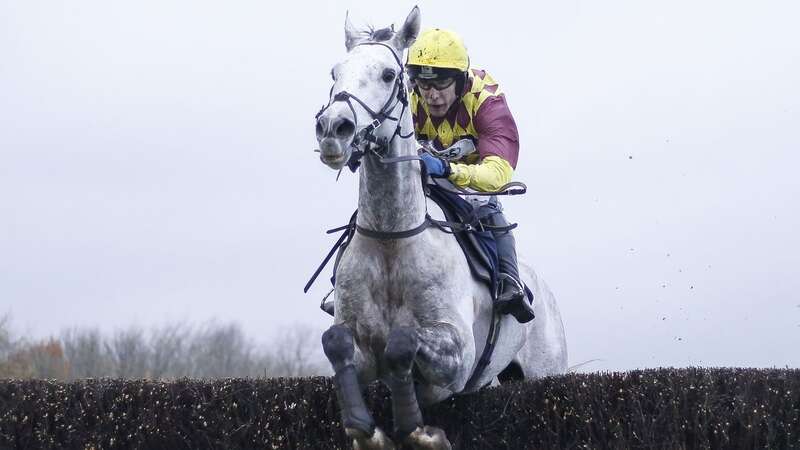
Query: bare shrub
point(85, 351)
point(296, 352)
point(46, 359)
point(168, 351)
point(128, 353)
point(7, 342)
point(220, 351)
point(212, 350)
point(43, 359)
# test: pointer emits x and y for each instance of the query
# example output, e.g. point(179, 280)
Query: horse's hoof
point(378, 440)
point(428, 438)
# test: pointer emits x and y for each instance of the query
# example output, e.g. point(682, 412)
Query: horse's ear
point(351, 34)
point(409, 31)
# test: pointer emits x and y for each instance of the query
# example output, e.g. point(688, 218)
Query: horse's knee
point(401, 349)
point(337, 343)
point(441, 357)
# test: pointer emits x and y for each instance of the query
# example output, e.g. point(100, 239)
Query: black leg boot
point(512, 299)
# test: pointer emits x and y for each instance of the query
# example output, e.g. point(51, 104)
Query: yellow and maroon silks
point(480, 114)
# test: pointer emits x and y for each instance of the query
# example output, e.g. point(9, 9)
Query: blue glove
point(436, 167)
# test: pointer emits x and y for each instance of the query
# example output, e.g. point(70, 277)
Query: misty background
point(157, 166)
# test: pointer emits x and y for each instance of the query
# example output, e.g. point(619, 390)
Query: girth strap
point(385, 235)
point(347, 234)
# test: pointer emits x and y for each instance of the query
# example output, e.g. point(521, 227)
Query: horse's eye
point(388, 75)
point(333, 76)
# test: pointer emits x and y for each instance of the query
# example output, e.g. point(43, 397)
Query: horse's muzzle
point(334, 134)
point(334, 152)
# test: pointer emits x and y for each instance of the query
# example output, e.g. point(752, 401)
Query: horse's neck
point(391, 197)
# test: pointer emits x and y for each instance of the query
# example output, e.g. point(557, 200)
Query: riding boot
point(512, 299)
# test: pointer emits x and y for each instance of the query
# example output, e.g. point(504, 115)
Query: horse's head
point(367, 87)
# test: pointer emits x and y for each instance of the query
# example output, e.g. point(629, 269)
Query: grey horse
point(408, 312)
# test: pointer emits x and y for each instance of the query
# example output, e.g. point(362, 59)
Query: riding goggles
point(439, 84)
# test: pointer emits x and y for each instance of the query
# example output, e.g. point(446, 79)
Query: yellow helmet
point(437, 49)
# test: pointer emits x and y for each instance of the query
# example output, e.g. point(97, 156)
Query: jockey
point(458, 108)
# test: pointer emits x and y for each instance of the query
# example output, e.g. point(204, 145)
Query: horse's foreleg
point(339, 347)
point(402, 349)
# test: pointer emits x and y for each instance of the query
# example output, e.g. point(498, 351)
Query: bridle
point(365, 137)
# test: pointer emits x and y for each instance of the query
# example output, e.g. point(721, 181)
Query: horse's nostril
point(345, 129)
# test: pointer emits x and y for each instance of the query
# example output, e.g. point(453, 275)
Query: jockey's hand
point(436, 167)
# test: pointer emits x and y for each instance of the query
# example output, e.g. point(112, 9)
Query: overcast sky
point(156, 165)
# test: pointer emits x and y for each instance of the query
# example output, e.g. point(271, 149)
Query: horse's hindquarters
point(545, 349)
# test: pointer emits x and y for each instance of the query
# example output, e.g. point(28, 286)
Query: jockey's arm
point(498, 147)
point(489, 175)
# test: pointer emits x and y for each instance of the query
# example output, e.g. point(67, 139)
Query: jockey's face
point(439, 101)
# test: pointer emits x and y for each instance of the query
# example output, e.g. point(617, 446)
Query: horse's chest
point(384, 288)
point(393, 272)
point(380, 288)
point(406, 285)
